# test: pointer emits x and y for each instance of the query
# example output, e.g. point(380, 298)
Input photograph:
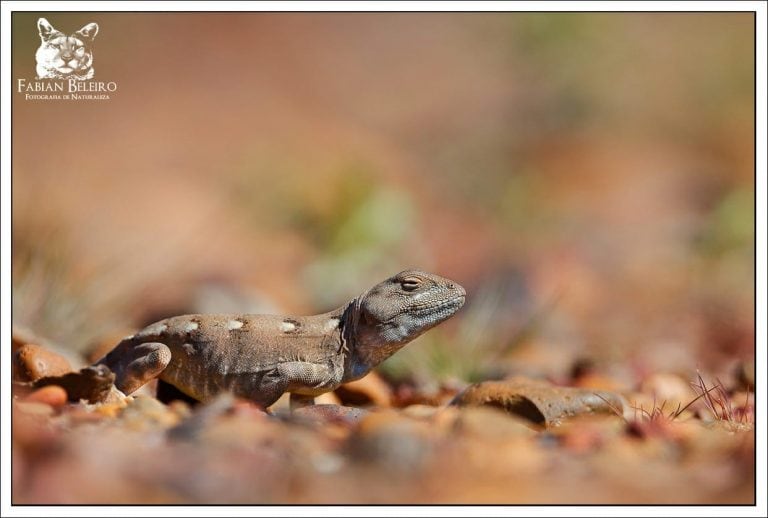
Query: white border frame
point(761, 258)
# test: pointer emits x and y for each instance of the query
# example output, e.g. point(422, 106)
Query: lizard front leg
point(307, 380)
point(139, 365)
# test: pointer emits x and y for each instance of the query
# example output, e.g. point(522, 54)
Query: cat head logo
point(65, 57)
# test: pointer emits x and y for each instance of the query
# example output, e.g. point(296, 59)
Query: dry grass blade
point(686, 407)
point(719, 403)
point(613, 407)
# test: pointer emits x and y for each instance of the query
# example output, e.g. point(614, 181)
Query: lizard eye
point(410, 283)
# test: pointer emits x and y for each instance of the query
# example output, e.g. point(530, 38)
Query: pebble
point(34, 408)
point(338, 414)
point(240, 407)
point(421, 411)
point(598, 382)
point(327, 398)
point(589, 433)
point(368, 390)
point(668, 389)
point(392, 442)
point(32, 362)
point(52, 395)
point(194, 424)
point(489, 423)
point(147, 412)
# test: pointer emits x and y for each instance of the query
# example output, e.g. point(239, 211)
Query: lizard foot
point(147, 361)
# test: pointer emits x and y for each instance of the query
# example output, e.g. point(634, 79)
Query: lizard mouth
point(455, 302)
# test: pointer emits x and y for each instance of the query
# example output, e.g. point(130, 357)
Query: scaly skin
point(260, 357)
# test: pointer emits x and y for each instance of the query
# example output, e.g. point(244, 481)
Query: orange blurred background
point(588, 177)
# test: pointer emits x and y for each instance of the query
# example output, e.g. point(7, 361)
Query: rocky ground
point(510, 441)
point(589, 183)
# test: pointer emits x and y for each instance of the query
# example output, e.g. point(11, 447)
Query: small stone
point(444, 420)
point(421, 411)
point(669, 390)
point(392, 442)
point(368, 390)
point(35, 408)
point(111, 410)
point(588, 433)
point(146, 412)
point(238, 431)
point(490, 423)
point(21, 336)
point(32, 362)
point(241, 407)
point(327, 462)
point(115, 397)
point(597, 381)
point(327, 398)
point(113, 404)
point(190, 427)
point(345, 415)
point(81, 414)
point(52, 395)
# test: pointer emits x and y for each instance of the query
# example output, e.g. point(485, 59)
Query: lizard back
point(212, 353)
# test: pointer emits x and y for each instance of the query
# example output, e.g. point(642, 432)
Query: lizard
point(260, 357)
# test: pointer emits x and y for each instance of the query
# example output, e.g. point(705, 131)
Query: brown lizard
point(260, 357)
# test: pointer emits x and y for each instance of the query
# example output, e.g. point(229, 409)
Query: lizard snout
point(458, 288)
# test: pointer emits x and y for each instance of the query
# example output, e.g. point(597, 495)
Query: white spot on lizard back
point(154, 329)
point(287, 327)
point(191, 326)
point(234, 324)
point(332, 324)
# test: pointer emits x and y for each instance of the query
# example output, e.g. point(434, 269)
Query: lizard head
point(399, 309)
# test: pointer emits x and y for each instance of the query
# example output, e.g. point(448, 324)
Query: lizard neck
point(357, 362)
point(362, 345)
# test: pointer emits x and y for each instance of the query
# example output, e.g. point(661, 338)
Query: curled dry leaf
point(539, 402)
point(93, 383)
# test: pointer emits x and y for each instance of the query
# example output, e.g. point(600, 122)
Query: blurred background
point(589, 178)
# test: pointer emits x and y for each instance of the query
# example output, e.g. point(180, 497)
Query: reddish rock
point(32, 362)
point(52, 395)
point(369, 390)
point(33, 408)
point(668, 389)
point(392, 441)
point(337, 414)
